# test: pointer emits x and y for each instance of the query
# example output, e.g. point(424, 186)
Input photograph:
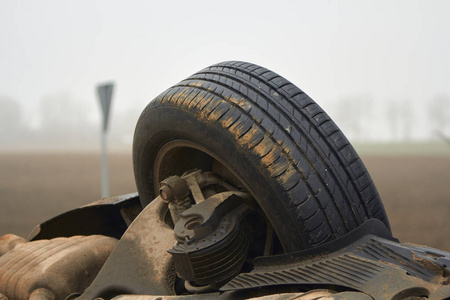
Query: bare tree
point(64, 120)
point(439, 114)
point(355, 115)
point(407, 117)
point(393, 118)
point(11, 121)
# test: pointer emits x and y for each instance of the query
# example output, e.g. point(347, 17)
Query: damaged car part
point(246, 189)
point(151, 236)
point(53, 269)
point(211, 245)
point(367, 260)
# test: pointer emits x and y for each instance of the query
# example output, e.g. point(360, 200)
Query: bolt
point(166, 193)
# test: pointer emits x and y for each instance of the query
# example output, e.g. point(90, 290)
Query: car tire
point(266, 132)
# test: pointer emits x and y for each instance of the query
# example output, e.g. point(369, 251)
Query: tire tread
point(323, 183)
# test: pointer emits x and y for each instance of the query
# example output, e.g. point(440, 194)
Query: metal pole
point(105, 96)
point(104, 165)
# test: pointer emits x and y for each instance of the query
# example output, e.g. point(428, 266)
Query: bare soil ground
point(35, 187)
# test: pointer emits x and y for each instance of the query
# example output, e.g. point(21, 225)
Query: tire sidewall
point(162, 124)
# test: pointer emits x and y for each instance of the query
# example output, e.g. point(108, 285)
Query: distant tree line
point(362, 120)
point(63, 120)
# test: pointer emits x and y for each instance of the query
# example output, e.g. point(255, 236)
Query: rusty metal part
point(198, 179)
point(362, 261)
point(192, 179)
point(366, 262)
point(212, 246)
point(176, 190)
point(204, 218)
point(317, 294)
point(53, 269)
point(140, 263)
point(177, 156)
point(177, 209)
point(9, 242)
point(204, 254)
point(109, 217)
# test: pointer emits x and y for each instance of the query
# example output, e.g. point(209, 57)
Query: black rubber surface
point(292, 157)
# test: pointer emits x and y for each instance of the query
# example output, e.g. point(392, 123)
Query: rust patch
point(428, 264)
point(59, 267)
point(442, 278)
point(155, 243)
point(259, 295)
point(140, 262)
point(9, 241)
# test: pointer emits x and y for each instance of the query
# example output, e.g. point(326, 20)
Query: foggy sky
point(394, 55)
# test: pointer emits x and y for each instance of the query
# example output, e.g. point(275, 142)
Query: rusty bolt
point(174, 189)
point(166, 193)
